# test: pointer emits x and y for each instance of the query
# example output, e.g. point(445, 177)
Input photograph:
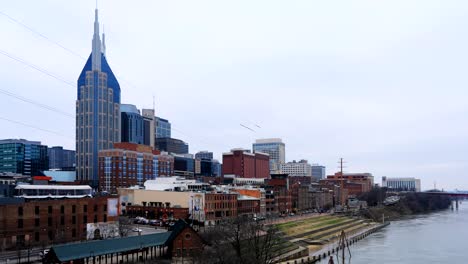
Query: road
point(20, 256)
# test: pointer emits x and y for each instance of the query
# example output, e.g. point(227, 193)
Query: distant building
point(402, 184)
point(301, 168)
point(353, 184)
point(184, 165)
point(149, 127)
point(204, 155)
point(241, 163)
point(23, 157)
point(318, 172)
point(273, 147)
point(60, 158)
point(175, 183)
point(97, 110)
point(132, 125)
point(172, 145)
point(130, 164)
point(216, 168)
point(163, 128)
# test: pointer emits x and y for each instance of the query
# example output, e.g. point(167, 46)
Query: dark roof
point(178, 227)
point(69, 252)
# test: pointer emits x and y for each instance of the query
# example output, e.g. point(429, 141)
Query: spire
point(96, 51)
point(103, 41)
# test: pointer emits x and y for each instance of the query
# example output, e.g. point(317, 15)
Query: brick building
point(43, 222)
point(241, 163)
point(248, 206)
point(158, 211)
point(254, 192)
point(129, 164)
point(279, 186)
point(360, 182)
point(220, 206)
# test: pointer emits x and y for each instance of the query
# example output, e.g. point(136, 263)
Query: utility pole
point(341, 181)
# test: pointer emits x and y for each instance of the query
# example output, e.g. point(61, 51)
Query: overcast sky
point(382, 84)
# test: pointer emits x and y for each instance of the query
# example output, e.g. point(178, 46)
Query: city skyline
point(390, 122)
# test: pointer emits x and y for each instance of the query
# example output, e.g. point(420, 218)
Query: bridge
point(452, 194)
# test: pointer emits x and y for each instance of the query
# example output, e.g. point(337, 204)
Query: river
point(438, 237)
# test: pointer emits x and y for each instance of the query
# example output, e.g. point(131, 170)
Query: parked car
point(43, 253)
point(154, 222)
point(137, 230)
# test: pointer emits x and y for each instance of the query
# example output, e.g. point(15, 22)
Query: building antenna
point(153, 103)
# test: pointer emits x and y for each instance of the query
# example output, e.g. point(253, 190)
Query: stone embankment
point(319, 235)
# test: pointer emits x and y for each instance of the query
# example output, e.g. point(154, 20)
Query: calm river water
point(431, 238)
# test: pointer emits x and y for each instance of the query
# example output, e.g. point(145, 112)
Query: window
point(105, 218)
point(49, 221)
point(51, 235)
point(73, 220)
point(95, 218)
point(62, 220)
point(37, 222)
point(62, 209)
point(105, 208)
point(85, 208)
point(73, 209)
point(95, 208)
point(50, 209)
point(36, 210)
point(20, 211)
point(85, 219)
point(20, 223)
point(73, 232)
point(36, 236)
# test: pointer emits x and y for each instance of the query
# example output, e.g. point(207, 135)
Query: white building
point(273, 147)
point(402, 184)
point(301, 168)
point(174, 184)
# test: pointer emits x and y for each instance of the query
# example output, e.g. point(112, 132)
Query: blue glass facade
point(98, 118)
point(132, 125)
point(111, 80)
point(184, 166)
point(163, 128)
point(318, 172)
point(23, 157)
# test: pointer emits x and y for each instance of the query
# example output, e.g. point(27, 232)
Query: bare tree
point(240, 240)
point(124, 226)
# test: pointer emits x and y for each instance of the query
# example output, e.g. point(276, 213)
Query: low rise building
point(49, 221)
point(301, 168)
point(402, 184)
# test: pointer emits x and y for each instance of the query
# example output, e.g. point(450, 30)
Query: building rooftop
point(269, 140)
point(22, 141)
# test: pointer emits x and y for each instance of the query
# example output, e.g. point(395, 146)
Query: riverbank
point(409, 204)
point(319, 235)
point(334, 246)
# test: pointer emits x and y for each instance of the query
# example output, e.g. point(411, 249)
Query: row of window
point(62, 209)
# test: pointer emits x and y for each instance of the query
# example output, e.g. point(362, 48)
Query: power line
point(24, 99)
point(36, 68)
point(31, 126)
point(41, 35)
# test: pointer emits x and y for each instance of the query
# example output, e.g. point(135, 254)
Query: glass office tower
point(23, 157)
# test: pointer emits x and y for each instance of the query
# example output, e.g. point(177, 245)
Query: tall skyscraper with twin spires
point(97, 110)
